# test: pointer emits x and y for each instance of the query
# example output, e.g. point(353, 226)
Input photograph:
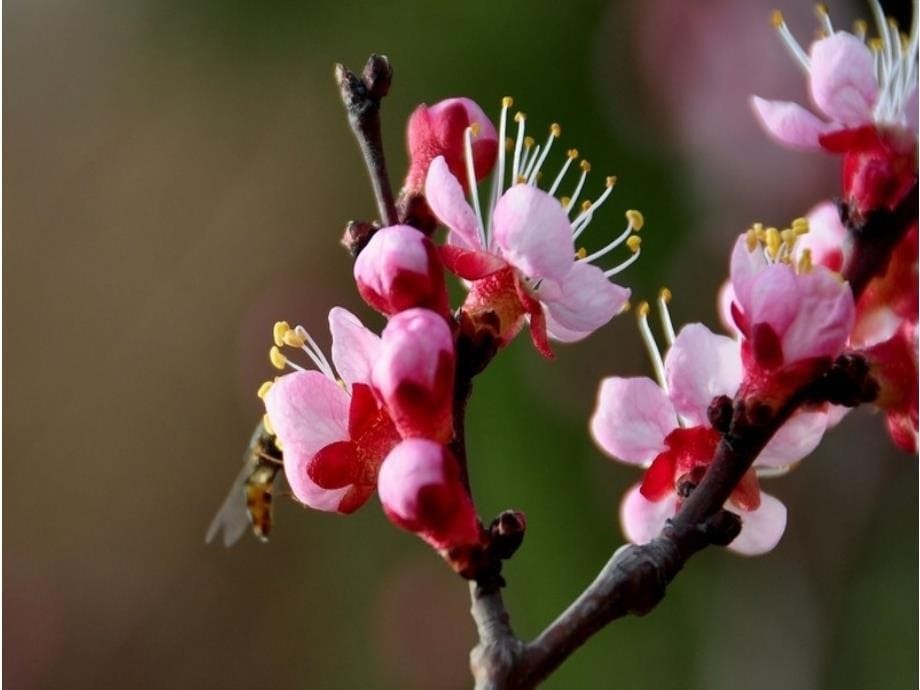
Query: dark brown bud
point(507, 533)
point(378, 75)
point(357, 234)
point(719, 413)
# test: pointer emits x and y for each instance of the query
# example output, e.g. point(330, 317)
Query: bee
point(249, 503)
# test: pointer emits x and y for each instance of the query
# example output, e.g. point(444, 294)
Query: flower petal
point(744, 267)
point(470, 264)
point(297, 461)
point(534, 233)
point(447, 201)
point(354, 347)
point(699, 366)
point(632, 418)
point(307, 410)
point(789, 123)
point(584, 301)
point(843, 82)
point(761, 529)
point(643, 519)
point(823, 317)
point(794, 440)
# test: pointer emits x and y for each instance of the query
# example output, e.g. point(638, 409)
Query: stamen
point(634, 243)
point(860, 27)
point(292, 339)
point(498, 179)
point(804, 264)
point(585, 169)
point(278, 360)
point(264, 388)
point(315, 353)
point(520, 118)
point(555, 131)
point(571, 155)
point(266, 422)
point(798, 54)
point(824, 18)
point(584, 219)
point(530, 163)
point(278, 331)
point(650, 345)
point(664, 297)
point(773, 242)
point(471, 180)
point(625, 236)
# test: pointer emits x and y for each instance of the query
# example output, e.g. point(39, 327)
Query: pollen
point(585, 166)
point(642, 310)
point(634, 242)
point(565, 201)
point(277, 359)
point(586, 205)
point(804, 265)
point(581, 253)
point(475, 128)
point(519, 117)
point(264, 388)
point(773, 242)
point(529, 142)
point(610, 182)
point(860, 27)
point(821, 10)
point(664, 295)
point(800, 226)
point(776, 19)
point(750, 238)
point(555, 130)
point(572, 153)
point(509, 143)
point(293, 339)
point(876, 45)
point(636, 219)
point(627, 305)
point(266, 422)
point(507, 102)
point(278, 331)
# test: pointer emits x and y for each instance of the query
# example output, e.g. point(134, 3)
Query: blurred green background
point(177, 178)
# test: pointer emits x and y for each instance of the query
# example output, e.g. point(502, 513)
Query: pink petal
point(534, 233)
point(354, 347)
point(307, 410)
point(470, 264)
point(772, 298)
point(823, 316)
point(632, 418)
point(745, 265)
point(583, 302)
point(761, 529)
point(296, 470)
point(699, 366)
point(826, 238)
point(724, 305)
point(794, 441)
point(843, 82)
point(448, 202)
point(789, 123)
point(642, 519)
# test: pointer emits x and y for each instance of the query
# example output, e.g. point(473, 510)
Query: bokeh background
point(177, 176)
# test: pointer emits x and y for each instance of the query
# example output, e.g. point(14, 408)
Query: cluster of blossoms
point(380, 415)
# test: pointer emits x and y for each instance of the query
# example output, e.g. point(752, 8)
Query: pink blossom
point(414, 374)
point(422, 492)
point(332, 432)
point(868, 93)
point(787, 313)
point(438, 130)
point(520, 254)
point(664, 428)
point(893, 365)
point(400, 269)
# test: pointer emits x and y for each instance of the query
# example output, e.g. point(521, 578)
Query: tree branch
point(362, 96)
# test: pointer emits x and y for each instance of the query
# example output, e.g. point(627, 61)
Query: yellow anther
point(277, 359)
point(519, 116)
point(565, 201)
point(893, 24)
point(819, 34)
point(585, 166)
point(572, 153)
point(776, 19)
point(627, 305)
point(263, 389)
point(905, 42)
point(821, 10)
point(266, 422)
point(664, 295)
point(633, 243)
point(773, 242)
point(581, 253)
point(507, 102)
point(520, 179)
point(635, 219)
point(556, 130)
point(750, 239)
point(475, 128)
point(860, 27)
point(529, 142)
point(610, 181)
point(642, 309)
point(509, 143)
point(876, 45)
point(278, 331)
point(805, 264)
point(293, 339)
point(585, 205)
point(788, 236)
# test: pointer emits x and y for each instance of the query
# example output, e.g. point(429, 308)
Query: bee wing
point(233, 517)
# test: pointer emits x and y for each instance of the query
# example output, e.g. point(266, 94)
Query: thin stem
point(362, 97)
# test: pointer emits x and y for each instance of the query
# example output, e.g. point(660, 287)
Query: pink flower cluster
point(380, 415)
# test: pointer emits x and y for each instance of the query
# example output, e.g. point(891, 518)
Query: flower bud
point(414, 374)
point(421, 491)
point(439, 130)
point(893, 366)
point(400, 269)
